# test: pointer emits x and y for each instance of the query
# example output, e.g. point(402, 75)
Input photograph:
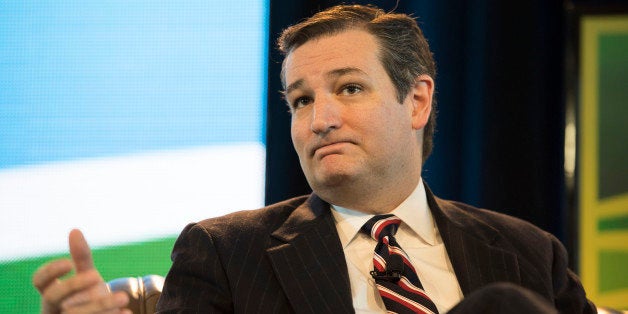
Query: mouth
point(328, 148)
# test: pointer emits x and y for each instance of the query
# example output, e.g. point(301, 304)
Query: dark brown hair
point(404, 51)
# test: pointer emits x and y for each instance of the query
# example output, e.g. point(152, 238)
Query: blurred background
point(129, 119)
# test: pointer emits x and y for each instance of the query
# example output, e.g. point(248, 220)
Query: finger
point(111, 303)
point(49, 272)
point(79, 249)
point(118, 311)
point(86, 296)
point(61, 289)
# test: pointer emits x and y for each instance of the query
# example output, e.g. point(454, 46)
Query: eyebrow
point(332, 74)
point(293, 86)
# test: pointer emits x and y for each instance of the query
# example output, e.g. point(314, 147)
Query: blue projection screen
point(128, 120)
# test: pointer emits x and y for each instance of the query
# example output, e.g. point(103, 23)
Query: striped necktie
point(395, 277)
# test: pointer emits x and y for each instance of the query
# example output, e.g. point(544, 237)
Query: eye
point(301, 102)
point(351, 89)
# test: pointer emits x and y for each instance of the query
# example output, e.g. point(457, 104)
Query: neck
point(375, 200)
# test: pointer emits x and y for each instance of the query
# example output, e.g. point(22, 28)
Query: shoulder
point(468, 214)
point(255, 221)
point(224, 238)
point(542, 261)
point(517, 233)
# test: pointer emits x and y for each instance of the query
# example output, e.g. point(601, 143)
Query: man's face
point(348, 127)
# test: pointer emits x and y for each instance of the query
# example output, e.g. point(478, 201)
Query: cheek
point(380, 116)
point(294, 136)
point(391, 123)
point(297, 135)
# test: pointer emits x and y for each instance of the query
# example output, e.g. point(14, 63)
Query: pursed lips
point(328, 148)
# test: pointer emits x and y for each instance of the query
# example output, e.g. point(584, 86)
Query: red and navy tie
point(395, 277)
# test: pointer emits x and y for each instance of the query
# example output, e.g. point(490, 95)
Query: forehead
point(348, 49)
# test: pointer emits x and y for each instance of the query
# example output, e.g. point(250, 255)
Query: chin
point(330, 180)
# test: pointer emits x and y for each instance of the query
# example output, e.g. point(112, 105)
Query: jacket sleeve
point(568, 291)
point(196, 282)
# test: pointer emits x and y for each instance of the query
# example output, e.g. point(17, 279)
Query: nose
point(326, 115)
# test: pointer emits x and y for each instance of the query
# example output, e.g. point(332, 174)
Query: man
point(359, 84)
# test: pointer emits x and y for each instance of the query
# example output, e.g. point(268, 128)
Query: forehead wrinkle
point(344, 71)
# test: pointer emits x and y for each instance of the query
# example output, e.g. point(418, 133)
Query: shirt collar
point(413, 211)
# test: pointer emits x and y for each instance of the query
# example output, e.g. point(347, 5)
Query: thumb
point(81, 254)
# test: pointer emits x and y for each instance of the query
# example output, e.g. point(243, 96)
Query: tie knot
point(381, 225)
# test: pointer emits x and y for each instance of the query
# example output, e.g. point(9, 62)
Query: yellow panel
point(592, 241)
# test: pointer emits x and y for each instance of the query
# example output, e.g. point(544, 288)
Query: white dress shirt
point(418, 236)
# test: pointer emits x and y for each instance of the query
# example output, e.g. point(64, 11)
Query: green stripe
point(18, 296)
point(613, 274)
point(612, 111)
point(617, 223)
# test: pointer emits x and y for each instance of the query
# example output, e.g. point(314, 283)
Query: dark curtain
point(499, 141)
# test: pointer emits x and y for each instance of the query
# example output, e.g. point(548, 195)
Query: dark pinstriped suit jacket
point(287, 258)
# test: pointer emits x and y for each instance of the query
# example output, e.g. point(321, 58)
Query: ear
point(421, 95)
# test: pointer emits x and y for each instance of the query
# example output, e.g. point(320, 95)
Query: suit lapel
point(473, 247)
point(308, 260)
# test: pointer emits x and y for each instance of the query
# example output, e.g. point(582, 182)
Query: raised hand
point(84, 292)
